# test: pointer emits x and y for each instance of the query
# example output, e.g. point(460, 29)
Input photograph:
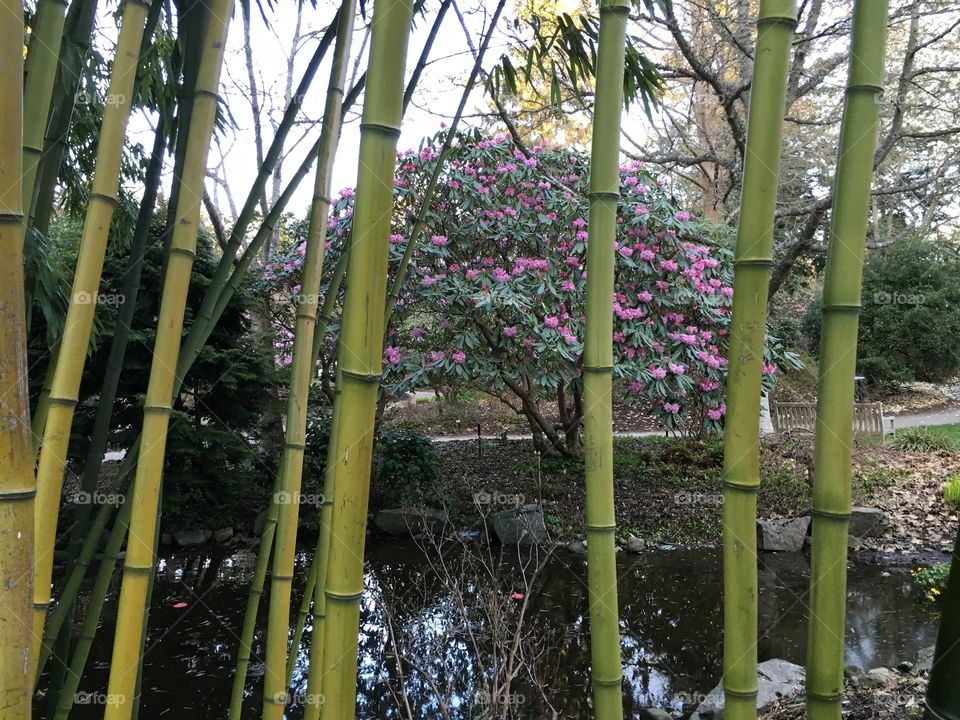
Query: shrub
point(406, 469)
point(923, 439)
point(932, 581)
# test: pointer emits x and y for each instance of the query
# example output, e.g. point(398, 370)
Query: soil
point(461, 415)
point(668, 490)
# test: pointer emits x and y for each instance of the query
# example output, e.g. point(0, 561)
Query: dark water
point(671, 617)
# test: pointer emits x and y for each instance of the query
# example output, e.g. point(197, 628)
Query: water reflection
point(671, 617)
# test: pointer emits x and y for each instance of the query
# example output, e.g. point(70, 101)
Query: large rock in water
point(777, 679)
point(520, 526)
point(188, 538)
point(405, 522)
point(867, 522)
point(782, 535)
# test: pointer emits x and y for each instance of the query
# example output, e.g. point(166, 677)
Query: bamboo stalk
point(600, 525)
point(741, 457)
point(17, 487)
point(361, 351)
point(91, 619)
point(838, 360)
point(43, 59)
point(80, 21)
point(301, 372)
point(943, 693)
point(146, 492)
point(80, 313)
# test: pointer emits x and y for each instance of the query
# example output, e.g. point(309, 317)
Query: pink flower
point(682, 216)
point(658, 372)
point(418, 332)
point(644, 297)
point(568, 286)
point(726, 291)
point(769, 369)
point(458, 356)
point(647, 255)
point(551, 321)
point(717, 413)
point(671, 408)
point(392, 355)
point(439, 240)
point(641, 210)
point(579, 223)
point(500, 275)
point(709, 385)
point(510, 331)
point(437, 356)
point(677, 369)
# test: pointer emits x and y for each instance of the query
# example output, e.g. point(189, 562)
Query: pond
point(446, 618)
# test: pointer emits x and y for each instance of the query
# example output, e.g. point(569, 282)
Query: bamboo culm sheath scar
point(752, 262)
point(838, 361)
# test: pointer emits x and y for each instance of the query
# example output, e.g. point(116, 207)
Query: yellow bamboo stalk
point(360, 356)
point(86, 286)
point(17, 487)
point(301, 373)
point(140, 559)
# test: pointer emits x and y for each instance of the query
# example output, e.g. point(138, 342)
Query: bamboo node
point(830, 515)
point(745, 694)
point(380, 128)
point(183, 251)
point(864, 87)
point(18, 495)
point(109, 200)
point(600, 528)
point(157, 409)
point(824, 697)
point(342, 597)
point(603, 195)
point(765, 263)
point(789, 20)
point(137, 569)
point(741, 487)
point(295, 446)
point(64, 401)
point(841, 307)
point(12, 217)
point(362, 377)
point(206, 93)
point(608, 683)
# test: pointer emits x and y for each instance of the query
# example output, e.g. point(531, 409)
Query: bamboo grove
point(51, 635)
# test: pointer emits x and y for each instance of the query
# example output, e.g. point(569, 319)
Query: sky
point(233, 157)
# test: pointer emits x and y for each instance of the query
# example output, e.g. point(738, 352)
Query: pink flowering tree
point(494, 298)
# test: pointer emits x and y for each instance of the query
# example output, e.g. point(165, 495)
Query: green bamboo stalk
point(81, 529)
point(361, 351)
point(943, 692)
point(39, 421)
point(80, 313)
point(301, 372)
point(741, 456)
point(81, 19)
point(253, 603)
point(140, 559)
point(601, 523)
point(420, 223)
point(44, 58)
point(838, 360)
point(91, 619)
point(17, 487)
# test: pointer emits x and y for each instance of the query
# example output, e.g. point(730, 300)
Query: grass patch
point(928, 439)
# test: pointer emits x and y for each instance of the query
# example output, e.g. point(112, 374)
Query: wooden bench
point(867, 418)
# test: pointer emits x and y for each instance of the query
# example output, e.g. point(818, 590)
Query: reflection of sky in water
point(671, 626)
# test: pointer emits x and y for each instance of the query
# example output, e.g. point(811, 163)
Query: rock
point(405, 522)
point(777, 679)
point(523, 526)
point(260, 523)
point(878, 677)
point(867, 522)
point(635, 544)
point(925, 659)
point(854, 543)
point(852, 671)
point(905, 667)
point(782, 535)
point(655, 714)
point(189, 538)
point(223, 535)
point(577, 548)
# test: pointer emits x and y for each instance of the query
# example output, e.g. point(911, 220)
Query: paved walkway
point(945, 416)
